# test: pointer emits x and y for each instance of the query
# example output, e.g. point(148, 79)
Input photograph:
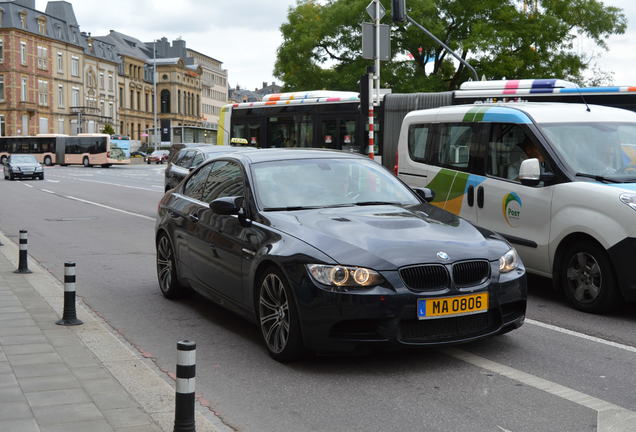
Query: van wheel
point(587, 278)
point(85, 162)
point(47, 161)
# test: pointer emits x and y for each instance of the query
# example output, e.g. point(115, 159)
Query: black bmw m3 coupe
point(328, 251)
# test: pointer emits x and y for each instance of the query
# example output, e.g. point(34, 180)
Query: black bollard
point(69, 317)
point(23, 266)
point(184, 398)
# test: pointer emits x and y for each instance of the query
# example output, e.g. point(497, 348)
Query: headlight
point(509, 261)
point(629, 199)
point(342, 276)
point(39, 168)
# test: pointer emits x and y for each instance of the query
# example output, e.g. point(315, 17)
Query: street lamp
point(154, 91)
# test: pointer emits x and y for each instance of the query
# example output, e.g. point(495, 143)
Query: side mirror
point(226, 205)
point(191, 169)
point(425, 193)
point(530, 172)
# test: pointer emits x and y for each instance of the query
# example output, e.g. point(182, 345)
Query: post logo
point(512, 209)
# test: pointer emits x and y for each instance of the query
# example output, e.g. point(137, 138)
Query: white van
point(557, 180)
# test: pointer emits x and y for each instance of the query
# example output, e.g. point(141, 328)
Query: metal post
point(371, 149)
point(23, 266)
point(154, 91)
point(377, 52)
point(69, 316)
point(184, 398)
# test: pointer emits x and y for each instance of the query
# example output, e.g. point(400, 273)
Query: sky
point(244, 34)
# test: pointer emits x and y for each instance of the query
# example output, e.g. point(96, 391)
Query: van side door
point(520, 213)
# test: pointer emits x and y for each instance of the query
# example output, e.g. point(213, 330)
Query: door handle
point(194, 218)
point(471, 195)
point(480, 197)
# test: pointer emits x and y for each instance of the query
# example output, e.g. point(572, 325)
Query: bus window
point(328, 131)
point(290, 131)
point(348, 136)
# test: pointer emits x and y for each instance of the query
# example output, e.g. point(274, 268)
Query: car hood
point(24, 165)
point(386, 237)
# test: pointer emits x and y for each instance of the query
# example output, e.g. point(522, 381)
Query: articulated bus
point(83, 149)
point(338, 120)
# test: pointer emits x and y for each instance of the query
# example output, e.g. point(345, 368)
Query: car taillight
point(395, 167)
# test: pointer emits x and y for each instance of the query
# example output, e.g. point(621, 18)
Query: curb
point(153, 390)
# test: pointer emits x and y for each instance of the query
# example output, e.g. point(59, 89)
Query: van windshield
point(597, 149)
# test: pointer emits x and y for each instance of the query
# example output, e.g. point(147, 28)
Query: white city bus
point(83, 149)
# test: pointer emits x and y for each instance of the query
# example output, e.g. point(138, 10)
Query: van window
point(418, 139)
point(454, 145)
point(508, 146)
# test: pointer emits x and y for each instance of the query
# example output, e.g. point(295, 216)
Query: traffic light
point(398, 11)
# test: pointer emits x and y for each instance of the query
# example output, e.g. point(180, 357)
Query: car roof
point(275, 154)
point(218, 148)
point(525, 112)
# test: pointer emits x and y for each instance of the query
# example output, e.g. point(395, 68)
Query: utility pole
point(154, 92)
point(377, 52)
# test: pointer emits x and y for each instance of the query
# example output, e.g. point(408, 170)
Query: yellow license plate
point(443, 307)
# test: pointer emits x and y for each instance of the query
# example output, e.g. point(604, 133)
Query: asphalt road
point(553, 374)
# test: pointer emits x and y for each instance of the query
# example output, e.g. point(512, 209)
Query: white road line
point(117, 184)
point(109, 207)
point(47, 191)
point(27, 185)
point(610, 417)
point(582, 335)
point(52, 181)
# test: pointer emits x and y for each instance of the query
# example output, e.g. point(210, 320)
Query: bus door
point(60, 150)
point(338, 133)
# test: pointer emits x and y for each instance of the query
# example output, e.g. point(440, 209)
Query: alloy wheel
point(584, 277)
point(273, 308)
point(164, 264)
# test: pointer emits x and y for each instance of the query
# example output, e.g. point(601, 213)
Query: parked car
point(158, 156)
point(21, 166)
point(188, 158)
point(557, 180)
point(139, 154)
point(328, 251)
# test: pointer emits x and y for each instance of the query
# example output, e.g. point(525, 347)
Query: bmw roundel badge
point(442, 255)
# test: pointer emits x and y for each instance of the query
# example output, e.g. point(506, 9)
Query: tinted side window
point(226, 179)
point(195, 186)
point(455, 143)
point(418, 141)
point(198, 159)
point(508, 146)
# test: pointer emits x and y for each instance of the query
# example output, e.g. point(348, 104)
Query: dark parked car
point(158, 156)
point(186, 159)
point(21, 166)
point(328, 251)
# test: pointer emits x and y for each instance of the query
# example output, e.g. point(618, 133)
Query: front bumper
point(27, 174)
point(387, 315)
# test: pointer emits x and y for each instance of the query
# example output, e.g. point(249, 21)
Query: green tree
point(501, 38)
point(108, 129)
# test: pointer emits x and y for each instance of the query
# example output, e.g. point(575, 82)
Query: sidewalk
point(71, 379)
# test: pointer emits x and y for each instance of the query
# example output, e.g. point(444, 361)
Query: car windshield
point(602, 150)
point(316, 183)
point(23, 159)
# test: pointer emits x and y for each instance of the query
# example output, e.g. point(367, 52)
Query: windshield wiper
point(600, 178)
point(370, 203)
point(291, 208)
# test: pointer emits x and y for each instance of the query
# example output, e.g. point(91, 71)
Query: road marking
point(47, 191)
point(117, 184)
point(610, 417)
point(27, 185)
point(52, 181)
point(109, 207)
point(582, 335)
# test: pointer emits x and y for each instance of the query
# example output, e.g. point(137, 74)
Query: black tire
point(587, 278)
point(277, 317)
point(148, 162)
point(167, 270)
point(42, 177)
point(48, 161)
point(86, 162)
point(3, 159)
point(106, 166)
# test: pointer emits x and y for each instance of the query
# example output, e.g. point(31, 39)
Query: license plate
point(443, 307)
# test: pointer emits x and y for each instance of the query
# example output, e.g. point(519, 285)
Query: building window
point(23, 17)
point(121, 99)
point(44, 125)
point(110, 110)
point(75, 96)
point(60, 126)
point(132, 99)
point(101, 80)
point(23, 92)
point(110, 82)
point(2, 131)
point(102, 108)
point(1, 88)
point(43, 92)
point(1, 50)
point(60, 96)
point(165, 101)
point(23, 53)
point(138, 101)
point(43, 61)
point(60, 62)
point(75, 66)
point(42, 25)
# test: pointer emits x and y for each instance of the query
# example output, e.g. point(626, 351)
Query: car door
point(184, 213)
point(223, 235)
point(520, 213)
